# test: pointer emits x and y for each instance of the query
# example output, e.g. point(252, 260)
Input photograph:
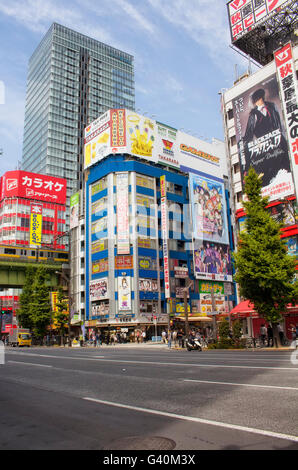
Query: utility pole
point(189, 283)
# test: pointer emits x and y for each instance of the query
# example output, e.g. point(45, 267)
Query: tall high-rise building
point(72, 79)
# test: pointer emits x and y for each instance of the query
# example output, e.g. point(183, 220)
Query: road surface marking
point(197, 420)
point(29, 363)
point(237, 384)
point(103, 359)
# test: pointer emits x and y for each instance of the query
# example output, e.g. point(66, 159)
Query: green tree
point(264, 270)
point(40, 307)
point(60, 316)
point(24, 312)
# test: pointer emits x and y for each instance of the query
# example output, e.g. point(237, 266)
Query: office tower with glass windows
point(72, 79)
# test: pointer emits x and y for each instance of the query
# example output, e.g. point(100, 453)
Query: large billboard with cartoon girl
point(208, 209)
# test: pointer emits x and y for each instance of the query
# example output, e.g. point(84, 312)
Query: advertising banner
point(206, 287)
point(141, 136)
point(148, 285)
point(98, 246)
point(167, 145)
point(97, 139)
point(99, 289)
point(208, 209)
point(212, 261)
point(192, 155)
point(35, 225)
point(180, 272)
point(292, 246)
point(100, 225)
point(100, 310)
point(124, 293)
point(54, 300)
point(206, 304)
point(282, 213)
point(123, 262)
point(261, 138)
point(164, 232)
point(99, 206)
point(100, 266)
point(287, 76)
point(121, 131)
point(34, 186)
point(118, 130)
point(123, 246)
point(147, 263)
point(74, 210)
point(246, 15)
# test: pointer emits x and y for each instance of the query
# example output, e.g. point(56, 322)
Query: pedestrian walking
point(174, 337)
point(263, 333)
point(270, 336)
point(164, 336)
point(169, 339)
point(144, 336)
point(280, 332)
point(292, 330)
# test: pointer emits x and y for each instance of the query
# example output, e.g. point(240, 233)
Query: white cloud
point(205, 21)
point(135, 15)
point(37, 16)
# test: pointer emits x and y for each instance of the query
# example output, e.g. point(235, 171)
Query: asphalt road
point(147, 397)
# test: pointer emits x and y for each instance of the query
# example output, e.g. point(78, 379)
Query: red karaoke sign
point(34, 186)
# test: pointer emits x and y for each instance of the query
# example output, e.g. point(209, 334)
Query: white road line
point(29, 363)
point(190, 364)
point(237, 384)
point(197, 420)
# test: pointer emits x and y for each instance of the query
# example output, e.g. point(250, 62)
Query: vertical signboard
point(74, 210)
point(289, 91)
point(35, 225)
point(261, 138)
point(118, 130)
point(124, 293)
point(164, 231)
point(166, 145)
point(123, 247)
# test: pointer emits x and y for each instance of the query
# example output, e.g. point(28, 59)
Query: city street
point(147, 397)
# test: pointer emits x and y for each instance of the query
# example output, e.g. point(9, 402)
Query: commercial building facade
point(144, 180)
point(258, 138)
point(72, 79)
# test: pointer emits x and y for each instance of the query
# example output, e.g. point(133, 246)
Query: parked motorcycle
point(193, 344)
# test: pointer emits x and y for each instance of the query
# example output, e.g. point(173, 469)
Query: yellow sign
point(163, 189)
point(35, 225)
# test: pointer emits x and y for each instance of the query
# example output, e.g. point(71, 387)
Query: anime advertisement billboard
point(261, 138)
point(212, 261)
point(208, 209)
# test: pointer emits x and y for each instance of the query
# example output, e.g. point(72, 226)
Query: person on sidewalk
point(169, 339)
point(164, 336)
point(263, 333)
point(281, 333)
point(270, 336)
point(292, 330)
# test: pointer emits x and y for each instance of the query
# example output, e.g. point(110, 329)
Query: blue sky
point(181, 50)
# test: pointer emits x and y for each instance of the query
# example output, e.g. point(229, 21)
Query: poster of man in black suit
point(261, 140)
